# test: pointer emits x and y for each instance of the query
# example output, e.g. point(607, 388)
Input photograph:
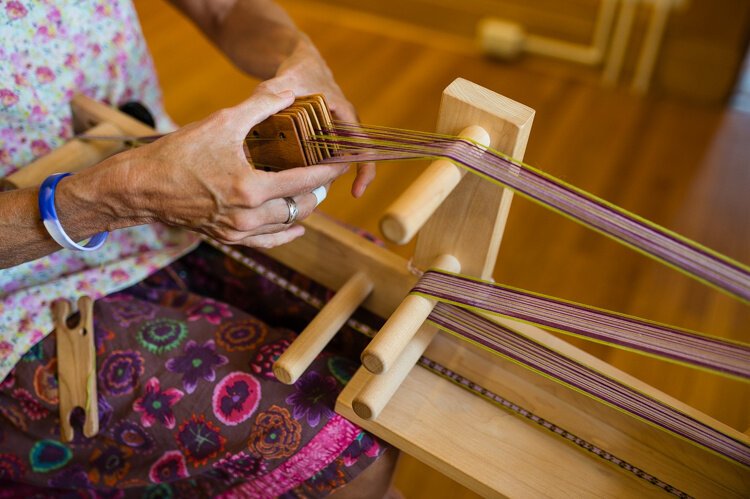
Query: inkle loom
point(632, 428)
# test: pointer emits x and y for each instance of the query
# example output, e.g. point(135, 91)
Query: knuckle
point(307, 207)
point(254, 198)
point(234, 221)
point(243, 222)
point(264, 88)
point(249, 194)
point(229, 236)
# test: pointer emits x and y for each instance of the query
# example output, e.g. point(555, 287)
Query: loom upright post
point(468, 225)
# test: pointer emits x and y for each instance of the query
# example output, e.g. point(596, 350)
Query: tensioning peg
point(379, 389)
point(297, 358)
point(76, 366)
point(403, 324)
point(403, 219)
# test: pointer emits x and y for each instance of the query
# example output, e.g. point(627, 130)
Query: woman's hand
point(305, 72)
point(261, 39)
point(198, 178)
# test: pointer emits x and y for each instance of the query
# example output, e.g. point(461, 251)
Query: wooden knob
point(403, 219)
point(403, 324)
point(297, 358)
point(379, 389)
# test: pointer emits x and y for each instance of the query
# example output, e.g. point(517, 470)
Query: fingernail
point(286, 94)
point(320, 194)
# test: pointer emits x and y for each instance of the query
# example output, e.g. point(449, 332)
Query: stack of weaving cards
point(286, 139)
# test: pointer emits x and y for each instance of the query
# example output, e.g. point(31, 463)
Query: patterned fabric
point(53, 50)
point(50, 51)
point(185, 412)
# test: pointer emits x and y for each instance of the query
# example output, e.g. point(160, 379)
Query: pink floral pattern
point(169, 468)
point(234, 427)
point(236, 398)
point(321, 451)
point(50, 51)
point(209, 310)
point(262, 365)
point(33, 409)
point(156, 404)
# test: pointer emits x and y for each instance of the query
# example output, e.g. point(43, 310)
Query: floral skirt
point(188, 404)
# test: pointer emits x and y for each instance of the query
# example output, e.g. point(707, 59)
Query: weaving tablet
point(304, 130)
point(312, 120)
point(274, 144)
point(284, 140)
point(324, 119)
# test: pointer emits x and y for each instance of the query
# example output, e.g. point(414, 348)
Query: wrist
point(98, 199)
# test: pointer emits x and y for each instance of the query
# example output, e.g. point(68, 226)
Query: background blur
point(643, 103)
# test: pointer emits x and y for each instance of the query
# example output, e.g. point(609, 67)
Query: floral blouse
point(50, 51)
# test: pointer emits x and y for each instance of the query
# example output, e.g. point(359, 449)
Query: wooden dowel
point(87, 113)
point(376, 393)
point(403, 324)
point(403, 219)
point(297, 358)
point(74, 156)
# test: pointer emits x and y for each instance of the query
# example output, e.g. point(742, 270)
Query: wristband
point(52, 223)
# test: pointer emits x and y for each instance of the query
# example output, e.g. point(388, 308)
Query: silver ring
point(291, 205)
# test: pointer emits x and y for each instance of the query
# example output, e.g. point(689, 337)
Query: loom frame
point(432, 418)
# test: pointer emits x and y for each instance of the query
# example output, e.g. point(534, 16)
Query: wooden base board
point(496, 453)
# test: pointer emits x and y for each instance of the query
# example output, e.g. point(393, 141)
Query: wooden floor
point(683, 166)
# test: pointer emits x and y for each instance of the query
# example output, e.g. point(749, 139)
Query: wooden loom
point(460, 221)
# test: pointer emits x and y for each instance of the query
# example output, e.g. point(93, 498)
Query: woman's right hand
point(198, 178)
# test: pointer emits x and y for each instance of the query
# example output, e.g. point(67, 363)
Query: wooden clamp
point(76, 366)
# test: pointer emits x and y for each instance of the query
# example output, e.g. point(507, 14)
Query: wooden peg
point(403, 219)
point(76, 366)
point(297, 358)
point(403, 324)
point(74, 156)
point(88, 113)
point(379, 389)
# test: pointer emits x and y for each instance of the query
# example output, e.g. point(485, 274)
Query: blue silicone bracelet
point(52, 223)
